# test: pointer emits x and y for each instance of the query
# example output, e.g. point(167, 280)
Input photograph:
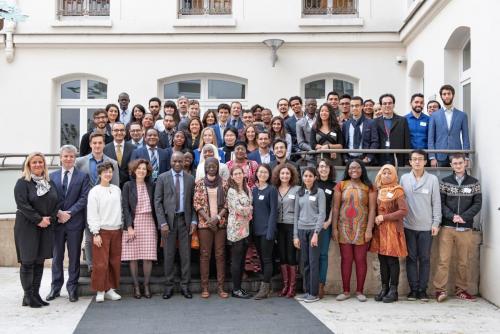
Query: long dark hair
point(314, 188)
point(333, 124)
point(142, 109)
point(364, 174)
point(233, 184)
point(282, 133)
point(265, 166)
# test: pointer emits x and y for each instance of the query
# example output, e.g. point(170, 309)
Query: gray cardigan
point(286, 212)
point(424, 201)
point(309, 212)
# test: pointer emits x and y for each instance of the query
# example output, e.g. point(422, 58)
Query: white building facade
point(73, 56)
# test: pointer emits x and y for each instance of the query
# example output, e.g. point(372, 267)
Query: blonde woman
point(207, 137)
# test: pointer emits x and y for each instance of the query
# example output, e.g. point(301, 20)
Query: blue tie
point(154, 161)
point(65, 182)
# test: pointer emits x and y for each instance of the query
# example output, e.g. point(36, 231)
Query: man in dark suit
point(291, 122)
point(177, 221)
point(235, 121)
point(393, 132)
point(359, 133)
point(72, 188)
point(159, 158)
point(120, 151)
point(167, 135)
point(223, 111)
point(262, 155)
point(136, 135)
point(100, 118)
point(303, 129)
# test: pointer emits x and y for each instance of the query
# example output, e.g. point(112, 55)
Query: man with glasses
point(120, 151)
point(393, 132)
point(100, 118)
point(136, 134)
point(345, 108)
point(421, 223)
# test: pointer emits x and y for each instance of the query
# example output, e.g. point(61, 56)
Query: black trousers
point(310, 261)
point(418, 261)
point(389, 269)
point(286, 249)
point(238, 252)
point(73, 240)
point(265, 250)
point(180, 232)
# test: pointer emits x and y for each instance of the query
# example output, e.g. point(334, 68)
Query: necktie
point(234, 123)
point(65, 182)
point(119, 154)
point(154, 161)
point(177, 192)
point(357, 132)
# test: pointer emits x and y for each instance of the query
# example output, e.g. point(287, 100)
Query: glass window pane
point(70, 126)
point(467, 100)
point(70, 90)
point(315, 89)
point(189, 88)
point(97, 90)
point(90, 118)
point(343, 87)
point(221, 89)
point(466, 56)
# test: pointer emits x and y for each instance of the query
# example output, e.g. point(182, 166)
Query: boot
point(26, 275)
point(293, 281)
point(382, 293)
point(264, 291)
point(285, 278)
point(321, 293)
point(392, 295)
point(37, 281)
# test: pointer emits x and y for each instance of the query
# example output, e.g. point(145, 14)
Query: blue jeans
point(310, 261)
point(324, 246)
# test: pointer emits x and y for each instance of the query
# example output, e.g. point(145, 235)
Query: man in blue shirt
point(418, 122)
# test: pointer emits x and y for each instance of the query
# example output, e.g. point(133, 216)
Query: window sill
point(204, 21)
point(330, 21)
point(83, 22)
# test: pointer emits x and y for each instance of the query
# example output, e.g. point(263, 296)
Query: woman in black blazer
point(139, 236)
point(37, 205)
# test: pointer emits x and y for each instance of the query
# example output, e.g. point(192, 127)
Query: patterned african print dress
point(353, 216)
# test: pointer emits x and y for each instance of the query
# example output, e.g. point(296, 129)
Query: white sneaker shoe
point(99, 298)
point(342, 297)
point(112, 295)
point(361, 297)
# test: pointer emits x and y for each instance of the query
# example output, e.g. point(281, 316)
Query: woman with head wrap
point(208, 151)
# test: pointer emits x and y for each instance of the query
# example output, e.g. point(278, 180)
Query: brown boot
point(264, 291)
point(285, 279)
point(293, 281)
point(321, 290)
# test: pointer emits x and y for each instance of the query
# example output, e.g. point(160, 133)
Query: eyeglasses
point(417, 159)
point(387, 104)
point(355, 106)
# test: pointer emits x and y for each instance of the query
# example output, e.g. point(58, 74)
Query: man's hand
point(164, 230)
point(434, 163)
point(435, 231)
point(63, 216)
point(314, 240)
point(192, 229)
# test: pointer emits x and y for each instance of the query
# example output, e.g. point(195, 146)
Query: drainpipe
point(8, 29)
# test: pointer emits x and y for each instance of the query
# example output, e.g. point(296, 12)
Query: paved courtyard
point(275, 315)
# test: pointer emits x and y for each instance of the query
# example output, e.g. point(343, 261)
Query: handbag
point(195, 240)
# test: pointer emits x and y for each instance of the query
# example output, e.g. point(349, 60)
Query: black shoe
point(39, 299)
point(29, 300)
point(422, 295)
point(413, 295)
point(392, 295)
point(168, 293)
point(53, 294)
point(382, 293)
point(186, 293)
point(73, 296)
point(241, 294)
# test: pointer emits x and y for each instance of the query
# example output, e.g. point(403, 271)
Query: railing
point(330, 7)
point(83, 8)
point(205, 7)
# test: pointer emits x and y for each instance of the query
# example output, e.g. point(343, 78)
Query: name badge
point(328, 191)
point(333, 134)
point(387, 143)
point(423, 123)
point(291, 196)
point(467, 190)
point(390, 195)
point(312, 198)
point(154, 174)
point(261, 197)
point(425, 191)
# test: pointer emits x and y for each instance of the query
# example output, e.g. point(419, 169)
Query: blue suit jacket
point(75, 200)
point(455, 138)
point(164, 156)
point(255, 156)
point(369, 136)
point(290, 127)
point(220, 139)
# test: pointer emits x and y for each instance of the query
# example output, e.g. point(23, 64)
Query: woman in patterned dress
point(354, 205)
point(388, 237)
point(139, 235)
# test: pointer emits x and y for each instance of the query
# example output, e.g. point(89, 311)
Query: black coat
point(127, 150)
point(399, 138)
point(32, 242)
point(129, 202)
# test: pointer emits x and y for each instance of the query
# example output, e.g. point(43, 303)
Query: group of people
point(144, 182)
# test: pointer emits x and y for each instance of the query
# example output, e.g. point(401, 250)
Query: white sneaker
point(342, 297)
point(99, 298)
point(112, 295)
point(361, 297)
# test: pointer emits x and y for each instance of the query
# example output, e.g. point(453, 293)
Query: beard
point(418, 110)
point(448, 102)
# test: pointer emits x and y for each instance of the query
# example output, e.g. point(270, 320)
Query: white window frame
point(329, 77)
point(83, 20)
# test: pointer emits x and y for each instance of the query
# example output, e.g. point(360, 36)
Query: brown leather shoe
point(222, 293)
point(205, 294)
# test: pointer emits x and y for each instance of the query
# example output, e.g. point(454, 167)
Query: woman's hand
point(368, 235)
point(335, 234)
point(97, 241)
point(131, 233)
point(296, 243)
point(379, 219)
point(45, 222)
point(314, 240)
point(326, 225)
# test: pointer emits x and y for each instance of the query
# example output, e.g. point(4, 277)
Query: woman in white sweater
point(104, 216)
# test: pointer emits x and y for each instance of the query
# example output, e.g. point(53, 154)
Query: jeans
point(265, 250)
point(418, 261)
point(238, 251)
point(310, 261)
point(324, 246)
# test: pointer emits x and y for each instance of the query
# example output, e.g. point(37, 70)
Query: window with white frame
point(329, 7)
point(465, 77)
point(319, 87)
point(210, 90)
point(83, 8)
point(205, 7)
point(78, 98)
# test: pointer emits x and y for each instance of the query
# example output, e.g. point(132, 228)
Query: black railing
point(83, 8)
point(330, 7)
point(203, 7)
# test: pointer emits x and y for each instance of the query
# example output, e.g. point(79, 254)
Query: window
point(329, 7)
point(466, 57)
point(319, 87)
point(77, 101)
point(83, 8)
point(205, 7)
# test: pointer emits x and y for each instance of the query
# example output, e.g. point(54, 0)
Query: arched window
point(416, 75)
point(318, 86)
point(77, 99)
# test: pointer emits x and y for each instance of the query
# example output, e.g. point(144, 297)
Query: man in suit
point(262, 155)
point(72, 188)
point(223, 111)
point(359, 133)
point(120, 151)
point(167, 135)
point(193, 112)
point(100, 118)
point(235, 120)
point(136, 134)
point(125, 112)
point(159, 157)
point(303, 129)
point(393, 132)
point(177, 221)
point(448, 129)
point(291, 122)
point(88, 165)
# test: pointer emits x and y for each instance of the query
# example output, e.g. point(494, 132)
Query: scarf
point(357, 131)
point(388, 193)
point(42, 185)
point(215, 183)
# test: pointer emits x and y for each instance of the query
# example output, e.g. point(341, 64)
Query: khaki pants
point(448, 238)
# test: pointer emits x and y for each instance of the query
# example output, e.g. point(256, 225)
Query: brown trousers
point(448, 239)
point(207, 239)
point(107, 261)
